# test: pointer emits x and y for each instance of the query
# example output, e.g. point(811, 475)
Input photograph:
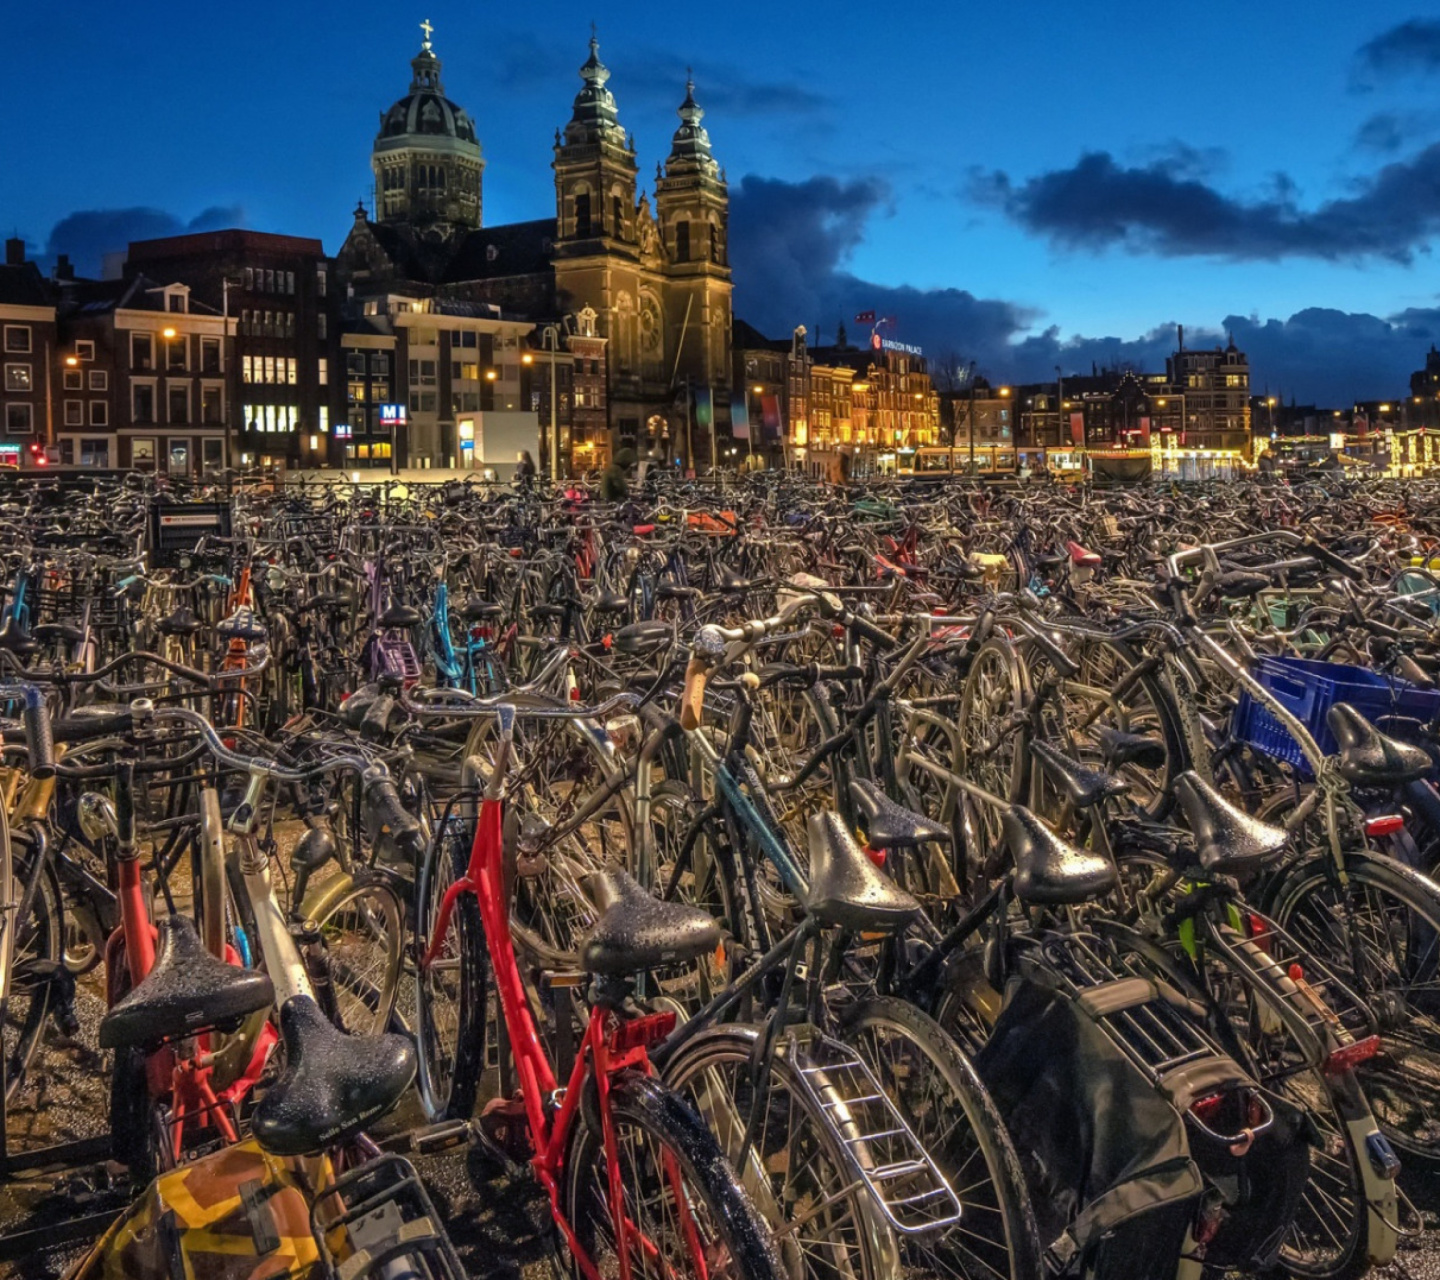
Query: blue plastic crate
point(1308, 689)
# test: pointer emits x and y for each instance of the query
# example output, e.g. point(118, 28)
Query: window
point(142, 454)
point(380, 391)
point(99, 413)
point(209, 355)
point(582, 214)
point(250, 278)
point(617, 214)
point(99, 380)
point(94, 453)
point(321, 325)
point(323, 371)
point(467, 339)
point(427, 402)
point(682, 242)
point(142, 403)
point(289, 324)
point(380, 362)
point(325, 419)
point(269, 282)
point(266, 368)
point(17, 338)
point(714, 243)
point(176, 354)
point(84, 350)
point(17, 419)
point(291, 369)
point(74, 380)
point(175, 301)
point(289, 282)
point(212, 407)
point(320, 281)
point(17, 377)
point(142, 351)
point(355, 363)
point(74, 413)
point(357, 391)
point(179, 404)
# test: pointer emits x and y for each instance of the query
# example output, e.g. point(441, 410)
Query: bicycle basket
point(1308, 689)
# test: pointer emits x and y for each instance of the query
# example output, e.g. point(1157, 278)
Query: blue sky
point(1025, 184)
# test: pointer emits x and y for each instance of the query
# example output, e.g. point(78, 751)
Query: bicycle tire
point(450, 1001)
point(1307, 904)
point(795, 1165)
point(642, 1109)
point(38, 953)
point(364, 936)
point(1005, 1240)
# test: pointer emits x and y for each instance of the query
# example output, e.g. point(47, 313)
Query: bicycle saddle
point(66, 631)
point(188, 991)
point(676, 591)
point(241, 625)
point(636, 931)
point(611, 602)
point(1082, 558)
point(1121, 748)
point(847, 890)
point(476, 609)
point(400, 615)
point(333, 1085)
point(1083, 787)
point(726, 579)
point(1368, 757)
point(1228, 841)
point(1240, 582)
point(17, 639)
point(642, 637)
point(180, 622)
point(889, 825)
point(1049, 870)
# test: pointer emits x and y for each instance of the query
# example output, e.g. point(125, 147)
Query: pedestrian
point(614, 482)
point(525, 470)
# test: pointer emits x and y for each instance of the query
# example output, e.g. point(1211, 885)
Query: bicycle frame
point(607, 1047)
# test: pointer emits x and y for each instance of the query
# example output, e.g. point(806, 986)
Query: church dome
point(425, 115)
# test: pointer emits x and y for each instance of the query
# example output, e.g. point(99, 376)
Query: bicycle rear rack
point(880, 1149)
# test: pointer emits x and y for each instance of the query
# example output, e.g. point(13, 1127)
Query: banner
point(865, 317)
point(704, 407)
point(1077, 428)
point(770, 415)
point(739, 417)
point(1144, 433)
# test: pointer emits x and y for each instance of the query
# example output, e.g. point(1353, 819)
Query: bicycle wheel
point(39, 943)
point(450, 998)
point(363, 931)
point(993, 731)
point(1381, 937)
point(825, 1221)
point(936, 1089)
point(687, 1213)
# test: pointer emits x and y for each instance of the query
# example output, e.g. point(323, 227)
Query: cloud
point(528, 63)
point(1387, 132)
point(1410, 48)
point(88, 235)
point(791, 243)
point(1098, 204)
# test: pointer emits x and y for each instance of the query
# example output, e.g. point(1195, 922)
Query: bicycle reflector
point(638, 1033)
point(1384, 824)
point(1348, 1056)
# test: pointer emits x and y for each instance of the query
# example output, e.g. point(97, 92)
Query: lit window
point(323, 369)
point(17, 377)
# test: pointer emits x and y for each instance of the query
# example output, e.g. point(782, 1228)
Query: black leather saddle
point(241, 625)
point(16, 638)
point(676, 591)
point(1228, 841)
point(727, 580)
point(399, 616)
point(889, 825)
point(1048, 870)
point(611, 602)
point(1241, 584)
point(187, 992)
point(1121, 748)
point(476, 609)
point(179, 622)
point(638, 931)
point(642, 637)
point(47, 632)
point(1369, 758)
point(847, 890)
point(333, 1085)
point(1082, 787)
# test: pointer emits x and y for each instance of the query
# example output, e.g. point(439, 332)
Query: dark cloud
point(1387, 132)
point(791, 243)
point(1411, 48)
point(527, 63)
point(1098, 203)
point(87, 236)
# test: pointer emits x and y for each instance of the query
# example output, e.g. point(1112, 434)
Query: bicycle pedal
point(505, 1127)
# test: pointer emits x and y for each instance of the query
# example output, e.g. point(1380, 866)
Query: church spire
point(425, 66)
point(596, 118)
point(690, 149)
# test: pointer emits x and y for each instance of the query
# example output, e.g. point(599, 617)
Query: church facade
point(654, 269)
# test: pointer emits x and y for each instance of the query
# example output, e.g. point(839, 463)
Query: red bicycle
point(637, 1184)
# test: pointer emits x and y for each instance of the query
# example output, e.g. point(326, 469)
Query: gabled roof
point(139, 293)
point(516, 249)
point(22, 285)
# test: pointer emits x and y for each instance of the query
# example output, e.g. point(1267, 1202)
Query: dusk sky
point(1025, 184)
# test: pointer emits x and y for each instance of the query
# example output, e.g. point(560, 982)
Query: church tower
point(426, 159)
point(692, 204)
point(594, 169)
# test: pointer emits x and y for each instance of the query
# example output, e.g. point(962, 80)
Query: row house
point(28, 337)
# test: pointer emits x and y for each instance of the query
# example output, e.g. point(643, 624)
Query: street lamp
point(231, 395)
point(550, 342)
